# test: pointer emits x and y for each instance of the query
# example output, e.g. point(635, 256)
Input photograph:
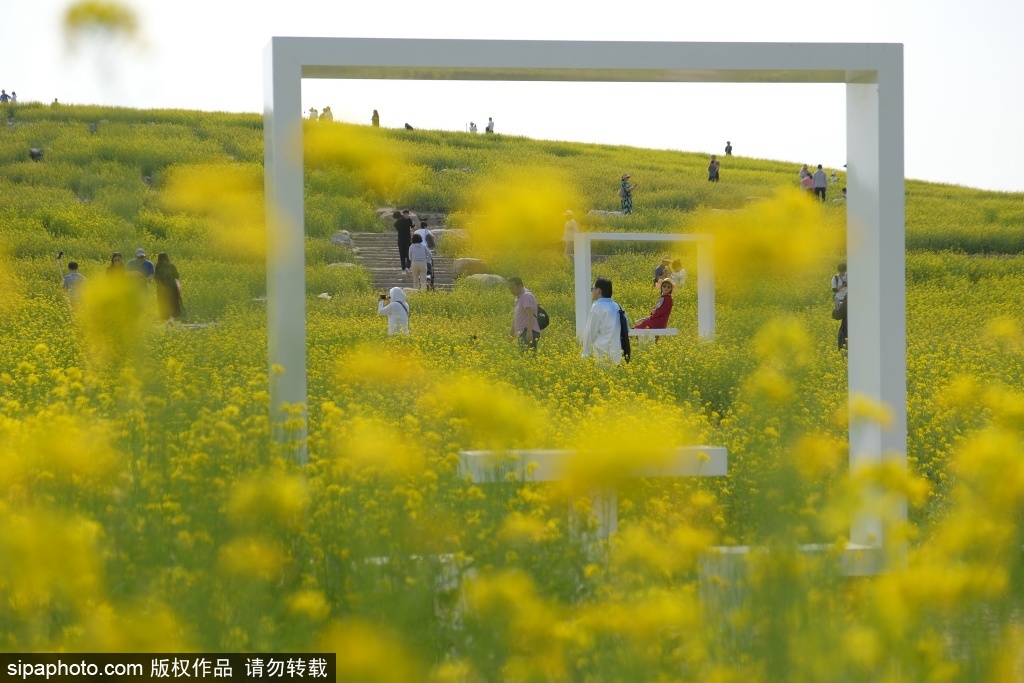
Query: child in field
point(73, 283)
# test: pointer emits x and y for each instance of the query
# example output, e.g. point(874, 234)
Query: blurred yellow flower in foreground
point(520, 210)
point(231, 195)
point(786, 236)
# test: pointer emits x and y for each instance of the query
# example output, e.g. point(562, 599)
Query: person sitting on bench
point(658, 319)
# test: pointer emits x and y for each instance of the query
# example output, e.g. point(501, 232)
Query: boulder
point(486, 280)
point(604, 214)
point(469, 266)
point(342, 239)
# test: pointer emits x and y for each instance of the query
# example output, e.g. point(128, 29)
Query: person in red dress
point(658, 319)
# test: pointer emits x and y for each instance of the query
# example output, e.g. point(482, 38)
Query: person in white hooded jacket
point(396, 308)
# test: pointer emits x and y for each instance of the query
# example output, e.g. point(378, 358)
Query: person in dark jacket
point(168, 287)
point(403, 226)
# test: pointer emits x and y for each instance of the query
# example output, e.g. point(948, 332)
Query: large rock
point(342, 239)
point(469, 266)
point(604, 214)
point(486, 280)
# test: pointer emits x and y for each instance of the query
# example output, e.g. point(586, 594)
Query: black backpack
point(839, 309)
point(542, 318)
point(624, 334)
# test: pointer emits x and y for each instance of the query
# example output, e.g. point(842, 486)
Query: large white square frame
point(873, 74)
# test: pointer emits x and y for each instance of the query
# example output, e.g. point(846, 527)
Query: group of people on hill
point(164, 276)
point(325, 115)
point(5, 98)
point(816, 182)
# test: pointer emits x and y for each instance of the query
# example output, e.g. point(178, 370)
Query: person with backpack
point(396, 308)
point(420, 258)
point(431, 242)
point(606, 336)
point(839, 296)
point(525, 315)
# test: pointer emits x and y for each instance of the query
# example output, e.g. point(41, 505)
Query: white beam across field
point(492, 467)
point(582, 253)
point(872, 72)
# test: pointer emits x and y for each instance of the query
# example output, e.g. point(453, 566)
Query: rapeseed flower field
point(146, 506)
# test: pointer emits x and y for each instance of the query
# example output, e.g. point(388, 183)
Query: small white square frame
point(872, 72)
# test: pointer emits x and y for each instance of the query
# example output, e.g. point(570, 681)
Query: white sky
point(964, 72)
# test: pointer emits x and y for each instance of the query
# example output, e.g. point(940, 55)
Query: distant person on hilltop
point(375, 119)
point(626, 194)
point(326, 114)
point(490, 125)
point(313, 114)
point(820, 183)
point(713, 169)
point(806, 179)
point(4, 97)
point(472, 127)
point(728, 148)
point(14, 97)
point(834, 178)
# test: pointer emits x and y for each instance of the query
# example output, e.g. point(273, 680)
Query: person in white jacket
point(396, 308)
point(601, 337)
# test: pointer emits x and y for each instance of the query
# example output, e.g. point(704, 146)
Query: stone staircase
point(378, 253)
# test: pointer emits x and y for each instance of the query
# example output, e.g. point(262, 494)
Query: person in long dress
point(168, 287)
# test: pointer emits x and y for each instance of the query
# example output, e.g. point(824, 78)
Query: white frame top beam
point(873, 74)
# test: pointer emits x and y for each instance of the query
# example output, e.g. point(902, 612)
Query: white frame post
point(872, 72)
point(582, 255)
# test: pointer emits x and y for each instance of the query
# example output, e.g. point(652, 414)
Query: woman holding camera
point(396, 308)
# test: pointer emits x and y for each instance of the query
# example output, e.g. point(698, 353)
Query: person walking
point(73, 284)
point(396, 308)
point(375, 119)
point(839, 303)
point(626, 194)
point(116, 266)
point(728, 148)
point(403, 226)
point(602, 336)
point(571, 230)
point(419, 258)
point(525, 325)
point(658, 319)
point(4, 97)
point(141, 266)
point(168, 287)
point(820, 181)
point(713, 169)
point(326, 115)
point(490, 125)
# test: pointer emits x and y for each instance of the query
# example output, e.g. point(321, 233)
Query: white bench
point(647, 335)
point(491, 467)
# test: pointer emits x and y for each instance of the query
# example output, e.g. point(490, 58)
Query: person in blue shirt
point(141, 265)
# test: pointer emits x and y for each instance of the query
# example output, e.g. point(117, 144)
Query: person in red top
point(658, 319)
